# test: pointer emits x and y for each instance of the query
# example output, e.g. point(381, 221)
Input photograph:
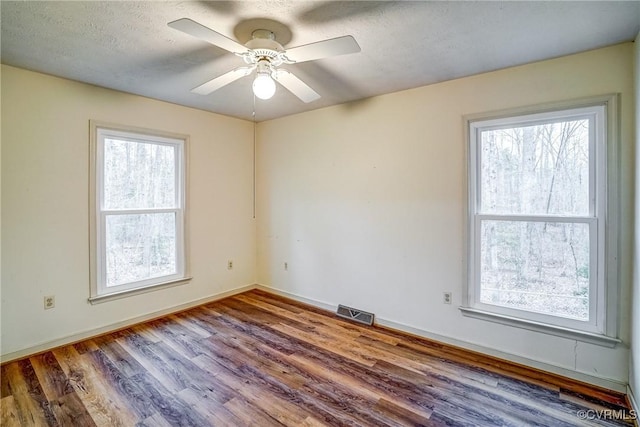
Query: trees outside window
point(139, 213)
point(537, 217)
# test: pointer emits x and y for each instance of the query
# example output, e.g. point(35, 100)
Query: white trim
point(99, 299)
point(546, 328)
point(90, 333)
point(611, 100)
point(633, 404)
point(538, 218)
point(97, 222)
point(300, 298)
point(602, 113)
point(607, 383)
point(613, 214)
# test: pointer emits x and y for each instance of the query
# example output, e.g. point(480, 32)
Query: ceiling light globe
point(264, 87)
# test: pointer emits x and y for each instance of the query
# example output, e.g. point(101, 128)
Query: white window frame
point(602, 219)
point(99, 291)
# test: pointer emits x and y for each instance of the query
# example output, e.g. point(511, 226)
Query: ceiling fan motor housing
point(263, 46)
point(264, 66)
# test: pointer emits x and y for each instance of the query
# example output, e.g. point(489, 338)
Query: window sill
point(559, 331)
point(98, 299)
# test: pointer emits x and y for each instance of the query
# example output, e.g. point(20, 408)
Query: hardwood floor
point(259, 359)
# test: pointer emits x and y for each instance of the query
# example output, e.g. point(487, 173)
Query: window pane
point(541, 267)
point(138, 175)
point(541, 169)
point(140, 247)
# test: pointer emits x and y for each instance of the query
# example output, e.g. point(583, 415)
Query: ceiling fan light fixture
point(264, 87)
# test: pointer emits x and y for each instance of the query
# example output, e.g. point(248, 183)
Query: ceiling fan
point(264, 55)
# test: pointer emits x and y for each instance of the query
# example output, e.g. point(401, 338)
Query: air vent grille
point(355, 314)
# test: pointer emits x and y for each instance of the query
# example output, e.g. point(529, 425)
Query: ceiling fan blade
point(296, 86)
point(201, 32)
point(223, 80)
point(324, 49)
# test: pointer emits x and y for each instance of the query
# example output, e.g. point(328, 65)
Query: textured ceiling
point(128, 46)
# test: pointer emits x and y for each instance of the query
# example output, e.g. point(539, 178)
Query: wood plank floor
point(259, 359)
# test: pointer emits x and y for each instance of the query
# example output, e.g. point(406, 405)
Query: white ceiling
point(128, 46)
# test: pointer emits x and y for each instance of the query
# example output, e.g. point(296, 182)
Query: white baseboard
point(633, 403)
point(300, 298)
point(48, 345)
point(559, 370)
point(591, 379)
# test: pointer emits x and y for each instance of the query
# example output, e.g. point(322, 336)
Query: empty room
point(319, 213)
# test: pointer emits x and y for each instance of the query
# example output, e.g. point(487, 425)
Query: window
point(538, 236)
point(138, 220)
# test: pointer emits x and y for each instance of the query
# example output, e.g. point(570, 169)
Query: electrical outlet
point(230, 264)
point(49, 302)
point(446, 297)
point(286, 266)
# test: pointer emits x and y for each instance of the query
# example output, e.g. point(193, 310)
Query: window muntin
point(140, 210)
point(537, 196)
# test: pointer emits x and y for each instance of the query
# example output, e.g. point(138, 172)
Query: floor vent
point(354, 314)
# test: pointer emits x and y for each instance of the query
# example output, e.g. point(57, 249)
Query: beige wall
point(45, 158)
point(366, 203)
